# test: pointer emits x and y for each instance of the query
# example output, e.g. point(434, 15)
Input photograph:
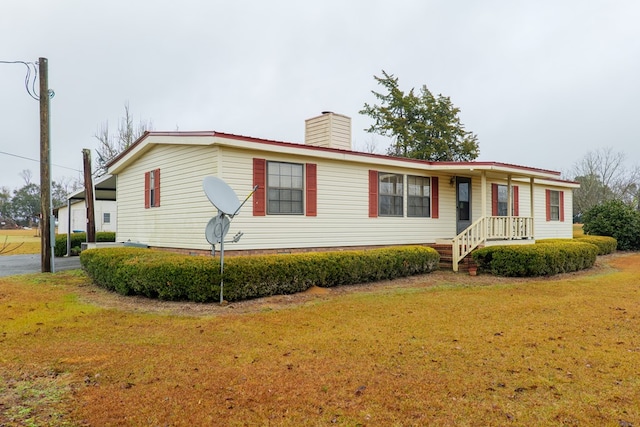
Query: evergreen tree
point(423, 126)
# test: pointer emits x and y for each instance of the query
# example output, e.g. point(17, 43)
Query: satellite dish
point(226, 201)
point(221, 195)
point(217, 228)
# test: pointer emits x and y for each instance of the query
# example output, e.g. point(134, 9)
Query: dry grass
point(19, 242)
point(452, 350)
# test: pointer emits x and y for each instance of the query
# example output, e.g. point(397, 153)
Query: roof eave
point(149, 138)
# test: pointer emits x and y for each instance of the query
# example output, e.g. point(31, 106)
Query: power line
point(29, 83)
point(37, 161)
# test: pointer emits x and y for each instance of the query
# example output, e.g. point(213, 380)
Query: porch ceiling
point(498, 171)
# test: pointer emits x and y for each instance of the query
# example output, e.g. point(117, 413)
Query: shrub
point(535, 260)
point(77, 239)
point(606, 245)
point(614, 219)
point(171, 276)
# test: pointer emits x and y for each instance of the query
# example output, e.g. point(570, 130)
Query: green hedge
point(168, 276)
point(606, 245)
point(536, 260)
point(77, 239)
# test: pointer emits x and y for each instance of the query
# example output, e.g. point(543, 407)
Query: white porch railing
point(490, 228)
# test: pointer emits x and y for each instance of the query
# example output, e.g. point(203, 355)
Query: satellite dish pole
point(235, 239)
point(222, 264)
point(226, 201)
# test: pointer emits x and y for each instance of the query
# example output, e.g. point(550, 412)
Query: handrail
point(472, 237)
point(488, 228)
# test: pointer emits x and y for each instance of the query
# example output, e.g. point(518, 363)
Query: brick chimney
point(328, 130)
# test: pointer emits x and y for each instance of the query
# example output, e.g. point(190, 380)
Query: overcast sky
point(540, 82)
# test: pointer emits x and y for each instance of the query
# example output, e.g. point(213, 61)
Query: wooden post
point(88, 194)
point(45, 172)
point(509, 209)
point(532, 208)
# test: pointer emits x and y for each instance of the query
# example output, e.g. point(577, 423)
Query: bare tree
point(68, 185)
point(368, 146)
point(603, 176)
point(110, 145)
point(26, 175)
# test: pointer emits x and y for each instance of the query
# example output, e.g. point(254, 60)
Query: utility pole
point(45, 171)
point(88, 196)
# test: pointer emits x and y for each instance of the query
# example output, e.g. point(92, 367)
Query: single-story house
point(321, 195)
point(73, 216)
point(75, 213)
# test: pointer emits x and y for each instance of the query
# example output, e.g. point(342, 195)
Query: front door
point(463, 203)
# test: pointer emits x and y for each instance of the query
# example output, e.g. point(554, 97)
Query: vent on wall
point(328, 130)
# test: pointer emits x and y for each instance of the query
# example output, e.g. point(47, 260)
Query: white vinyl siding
point(184, 210)
point(552, 229)
point(342, 218)
point(79, 216)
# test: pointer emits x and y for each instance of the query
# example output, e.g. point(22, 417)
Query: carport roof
point(104, 188)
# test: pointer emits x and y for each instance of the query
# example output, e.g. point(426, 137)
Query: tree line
point(21, 207)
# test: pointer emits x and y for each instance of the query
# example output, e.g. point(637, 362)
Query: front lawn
point(440, 349)
point(19, 242)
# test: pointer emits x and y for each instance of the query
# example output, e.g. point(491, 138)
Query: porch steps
point(446, 258)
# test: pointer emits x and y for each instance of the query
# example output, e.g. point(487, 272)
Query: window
point(502, 200)
point(418, 200)
point(280, 188)
point(152, 186)
point(554, 205)
point(499, 200)
point(152, 189)
point(386, 194)
point(106, 218)
point(285, 188)
point(464, 198)
point(390, 194)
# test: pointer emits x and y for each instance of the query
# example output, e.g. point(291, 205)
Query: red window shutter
point(494, 199)
point(561, 205)
point(516, 201)
point(548, 203)
point(147, 190)
point(259, 179)
point(373, 194)
point(312, 191)
point(435, 197)
point(156, 188)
